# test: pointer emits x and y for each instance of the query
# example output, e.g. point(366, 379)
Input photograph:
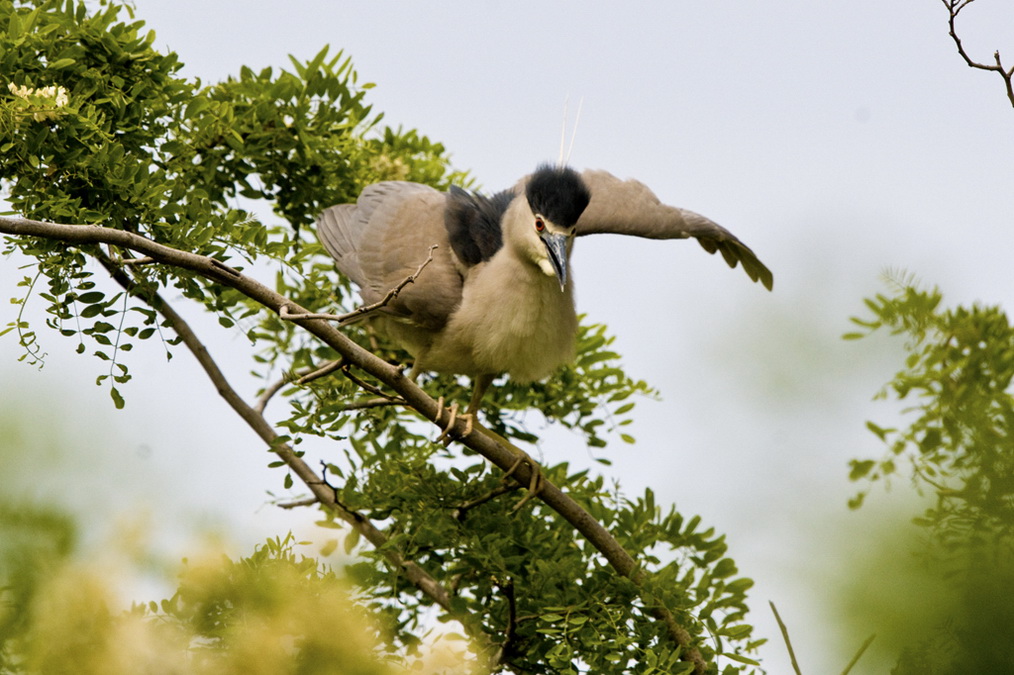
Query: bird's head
point(555, 198)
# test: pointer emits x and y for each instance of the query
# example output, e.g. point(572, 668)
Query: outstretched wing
point(384, 237)
point(629, 207)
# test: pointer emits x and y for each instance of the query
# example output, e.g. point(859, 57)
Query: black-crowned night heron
point(498, 296)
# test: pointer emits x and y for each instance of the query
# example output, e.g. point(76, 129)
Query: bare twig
point(510, 632)
point(954, 8)
point(373, 403)
point(322, 371)
point(306, 375)
point(855, 659)
point(459, 513)
point(785, 636)
point(285, 313)
point(309, 501)
point(363, 384)
point(135, 261)
point(269, 392)
point(498, 452)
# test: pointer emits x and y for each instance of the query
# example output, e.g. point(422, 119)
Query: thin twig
point(306, 375)
point(363, 384)
point(954, 7)
point(373, 403)
point(285, 313)
point(855, 658)
point(309, 501)
point(510, 632)
point(298, 378)
point(269, 392)
point(459, 513)
point(324, 370)
point(785, 636)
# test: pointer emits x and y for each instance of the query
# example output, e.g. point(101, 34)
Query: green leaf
point(117, 399)
point(91, 311)
point(859, 469)
point(881, 432)
point(739, 658)
point(625, 408)
point(329, 547)
point(91, 297)
point(351, 539)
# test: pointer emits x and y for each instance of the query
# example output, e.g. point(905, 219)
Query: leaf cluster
point(957, 376)
point(958, 444)
point(139, 148)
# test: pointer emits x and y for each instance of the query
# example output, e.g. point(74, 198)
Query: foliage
point(959, 448)
point(99, 127)
point(273, 612)
point(32, 541)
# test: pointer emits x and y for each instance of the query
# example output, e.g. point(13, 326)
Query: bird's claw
point(535, 483)
point(445, 435)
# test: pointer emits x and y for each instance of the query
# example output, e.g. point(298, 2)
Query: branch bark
point(393, 377)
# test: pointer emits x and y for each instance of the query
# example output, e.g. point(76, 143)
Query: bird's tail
point(339, 229)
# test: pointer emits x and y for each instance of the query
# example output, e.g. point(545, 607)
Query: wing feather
point(384, 237)
point(630, 207)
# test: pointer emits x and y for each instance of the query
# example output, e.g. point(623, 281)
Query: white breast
point(513, 319)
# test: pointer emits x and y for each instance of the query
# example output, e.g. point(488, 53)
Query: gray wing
point(629, 207)
point(384, 237)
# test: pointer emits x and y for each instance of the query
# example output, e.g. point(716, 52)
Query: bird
point(498, 295)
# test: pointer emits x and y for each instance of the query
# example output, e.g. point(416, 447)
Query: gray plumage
point(497, 297)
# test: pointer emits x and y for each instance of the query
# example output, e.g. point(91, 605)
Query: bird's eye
point(540, 225)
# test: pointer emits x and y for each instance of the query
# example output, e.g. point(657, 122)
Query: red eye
point(540, 225)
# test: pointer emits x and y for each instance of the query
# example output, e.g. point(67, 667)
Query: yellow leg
point(445, 435)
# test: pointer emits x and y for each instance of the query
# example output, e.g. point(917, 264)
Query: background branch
point(954, 8)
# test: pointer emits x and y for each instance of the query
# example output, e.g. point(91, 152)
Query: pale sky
point(836, 139)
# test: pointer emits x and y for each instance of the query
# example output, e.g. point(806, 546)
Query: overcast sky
point(836, 139)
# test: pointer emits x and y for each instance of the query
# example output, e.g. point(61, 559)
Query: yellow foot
point(445, 435)
point(534, 483)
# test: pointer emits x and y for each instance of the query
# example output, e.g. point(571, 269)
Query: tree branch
point(495, 451)
point(954, 8)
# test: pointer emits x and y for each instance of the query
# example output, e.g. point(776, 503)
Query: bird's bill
point(556, 245)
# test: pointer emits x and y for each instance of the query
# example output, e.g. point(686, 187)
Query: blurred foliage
point(33, 541)
point(274, 612)
point(97, 126)
point(957, 449)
